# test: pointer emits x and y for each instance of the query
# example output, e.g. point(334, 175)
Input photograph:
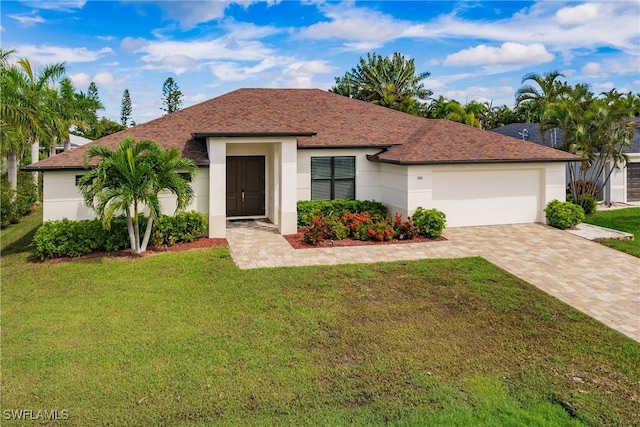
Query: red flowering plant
point(381, 230)
point(404, 230)
point(317, 231)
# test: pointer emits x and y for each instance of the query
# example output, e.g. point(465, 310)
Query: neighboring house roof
point(320, 119)
point(78, 141)
point(531, 132)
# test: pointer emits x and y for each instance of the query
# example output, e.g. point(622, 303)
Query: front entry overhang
point(280, 173)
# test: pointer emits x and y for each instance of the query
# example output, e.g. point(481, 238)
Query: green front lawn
point(188, 339)
point(627, 219)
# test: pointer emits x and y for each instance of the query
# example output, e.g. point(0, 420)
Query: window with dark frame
point(333, 178)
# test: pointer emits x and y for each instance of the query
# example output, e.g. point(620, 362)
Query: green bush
point(564, 215)
point(74, 238)
point(8, 214)
point(183, 227)
point(26, 195)
point(588, 203)
point(337, 208)
point(430, 222)
point(19, 202)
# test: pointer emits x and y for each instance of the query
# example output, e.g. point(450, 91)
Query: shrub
point(564, 215)
point(307, 209)
point(7, 206)
point(588, 203)
point(19, 202)
point(381, 230)
point(404, 230)
point(430, 222)
point(74, 238)
point(181, 228)
point(26, 194)
point(317, 231)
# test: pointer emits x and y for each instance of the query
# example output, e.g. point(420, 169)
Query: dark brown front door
point(245, 185)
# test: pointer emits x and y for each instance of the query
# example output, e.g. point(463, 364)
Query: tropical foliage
point(391, 82)
point(597, 128)
point(131, 177)
point(31, 109)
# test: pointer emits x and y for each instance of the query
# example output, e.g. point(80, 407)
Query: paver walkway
point(599, 281)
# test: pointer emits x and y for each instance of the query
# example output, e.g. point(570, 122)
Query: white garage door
point(488, 197)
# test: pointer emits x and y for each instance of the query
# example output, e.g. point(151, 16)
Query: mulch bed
point(297, 241)
point(201, 243)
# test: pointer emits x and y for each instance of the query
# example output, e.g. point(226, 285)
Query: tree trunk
point(136, 229)
point(35, 156)
point(12, 169)
point(35, 151)
point(67, 143)
point(132, 236)
point(147, 234)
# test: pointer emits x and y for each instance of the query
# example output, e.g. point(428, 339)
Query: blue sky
point(474, 50)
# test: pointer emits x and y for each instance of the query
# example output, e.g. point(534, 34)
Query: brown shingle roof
point(320, 119)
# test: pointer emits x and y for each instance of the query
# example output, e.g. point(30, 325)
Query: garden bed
point(201, 243)
point(297, 241)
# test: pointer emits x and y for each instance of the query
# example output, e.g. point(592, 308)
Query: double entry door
point(245, 185)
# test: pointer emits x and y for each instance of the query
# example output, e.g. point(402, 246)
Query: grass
point(627, 219)
point(187, 339)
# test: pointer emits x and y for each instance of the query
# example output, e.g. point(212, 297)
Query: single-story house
point(624, 184)
point(259, 151)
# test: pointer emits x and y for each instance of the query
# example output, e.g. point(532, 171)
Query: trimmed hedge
point(337, 208)
point(564, 215)
point(61, 238)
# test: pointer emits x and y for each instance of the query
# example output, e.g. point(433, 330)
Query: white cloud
point(562, 30)
point(191, 13)
point(104, 78)
point(301, 74)
point(28, 20)
point(593, 69)
point(364, 28)
point(80, 79)
point(48, 54)
point(198, 97)
point(508, 54)
point(130, 44)
point(62, 5)
point(579, 15)
point(178, 63)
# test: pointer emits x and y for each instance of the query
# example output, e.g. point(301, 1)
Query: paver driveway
point(599, 281)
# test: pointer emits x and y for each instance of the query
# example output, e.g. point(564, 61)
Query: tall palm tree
point(132, 176)
point(548, 91)
point(26, 107)
point(390, 82)
point(597, 129)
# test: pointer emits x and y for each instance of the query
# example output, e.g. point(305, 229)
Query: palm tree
point(550, 90)
point(390, 82)
point(597, 129)
point(26, 107)
point(132, 176)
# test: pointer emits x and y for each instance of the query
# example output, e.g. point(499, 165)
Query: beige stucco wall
point(280, 182)
point(479, 194)
point(367, 173)
point(61, 198)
